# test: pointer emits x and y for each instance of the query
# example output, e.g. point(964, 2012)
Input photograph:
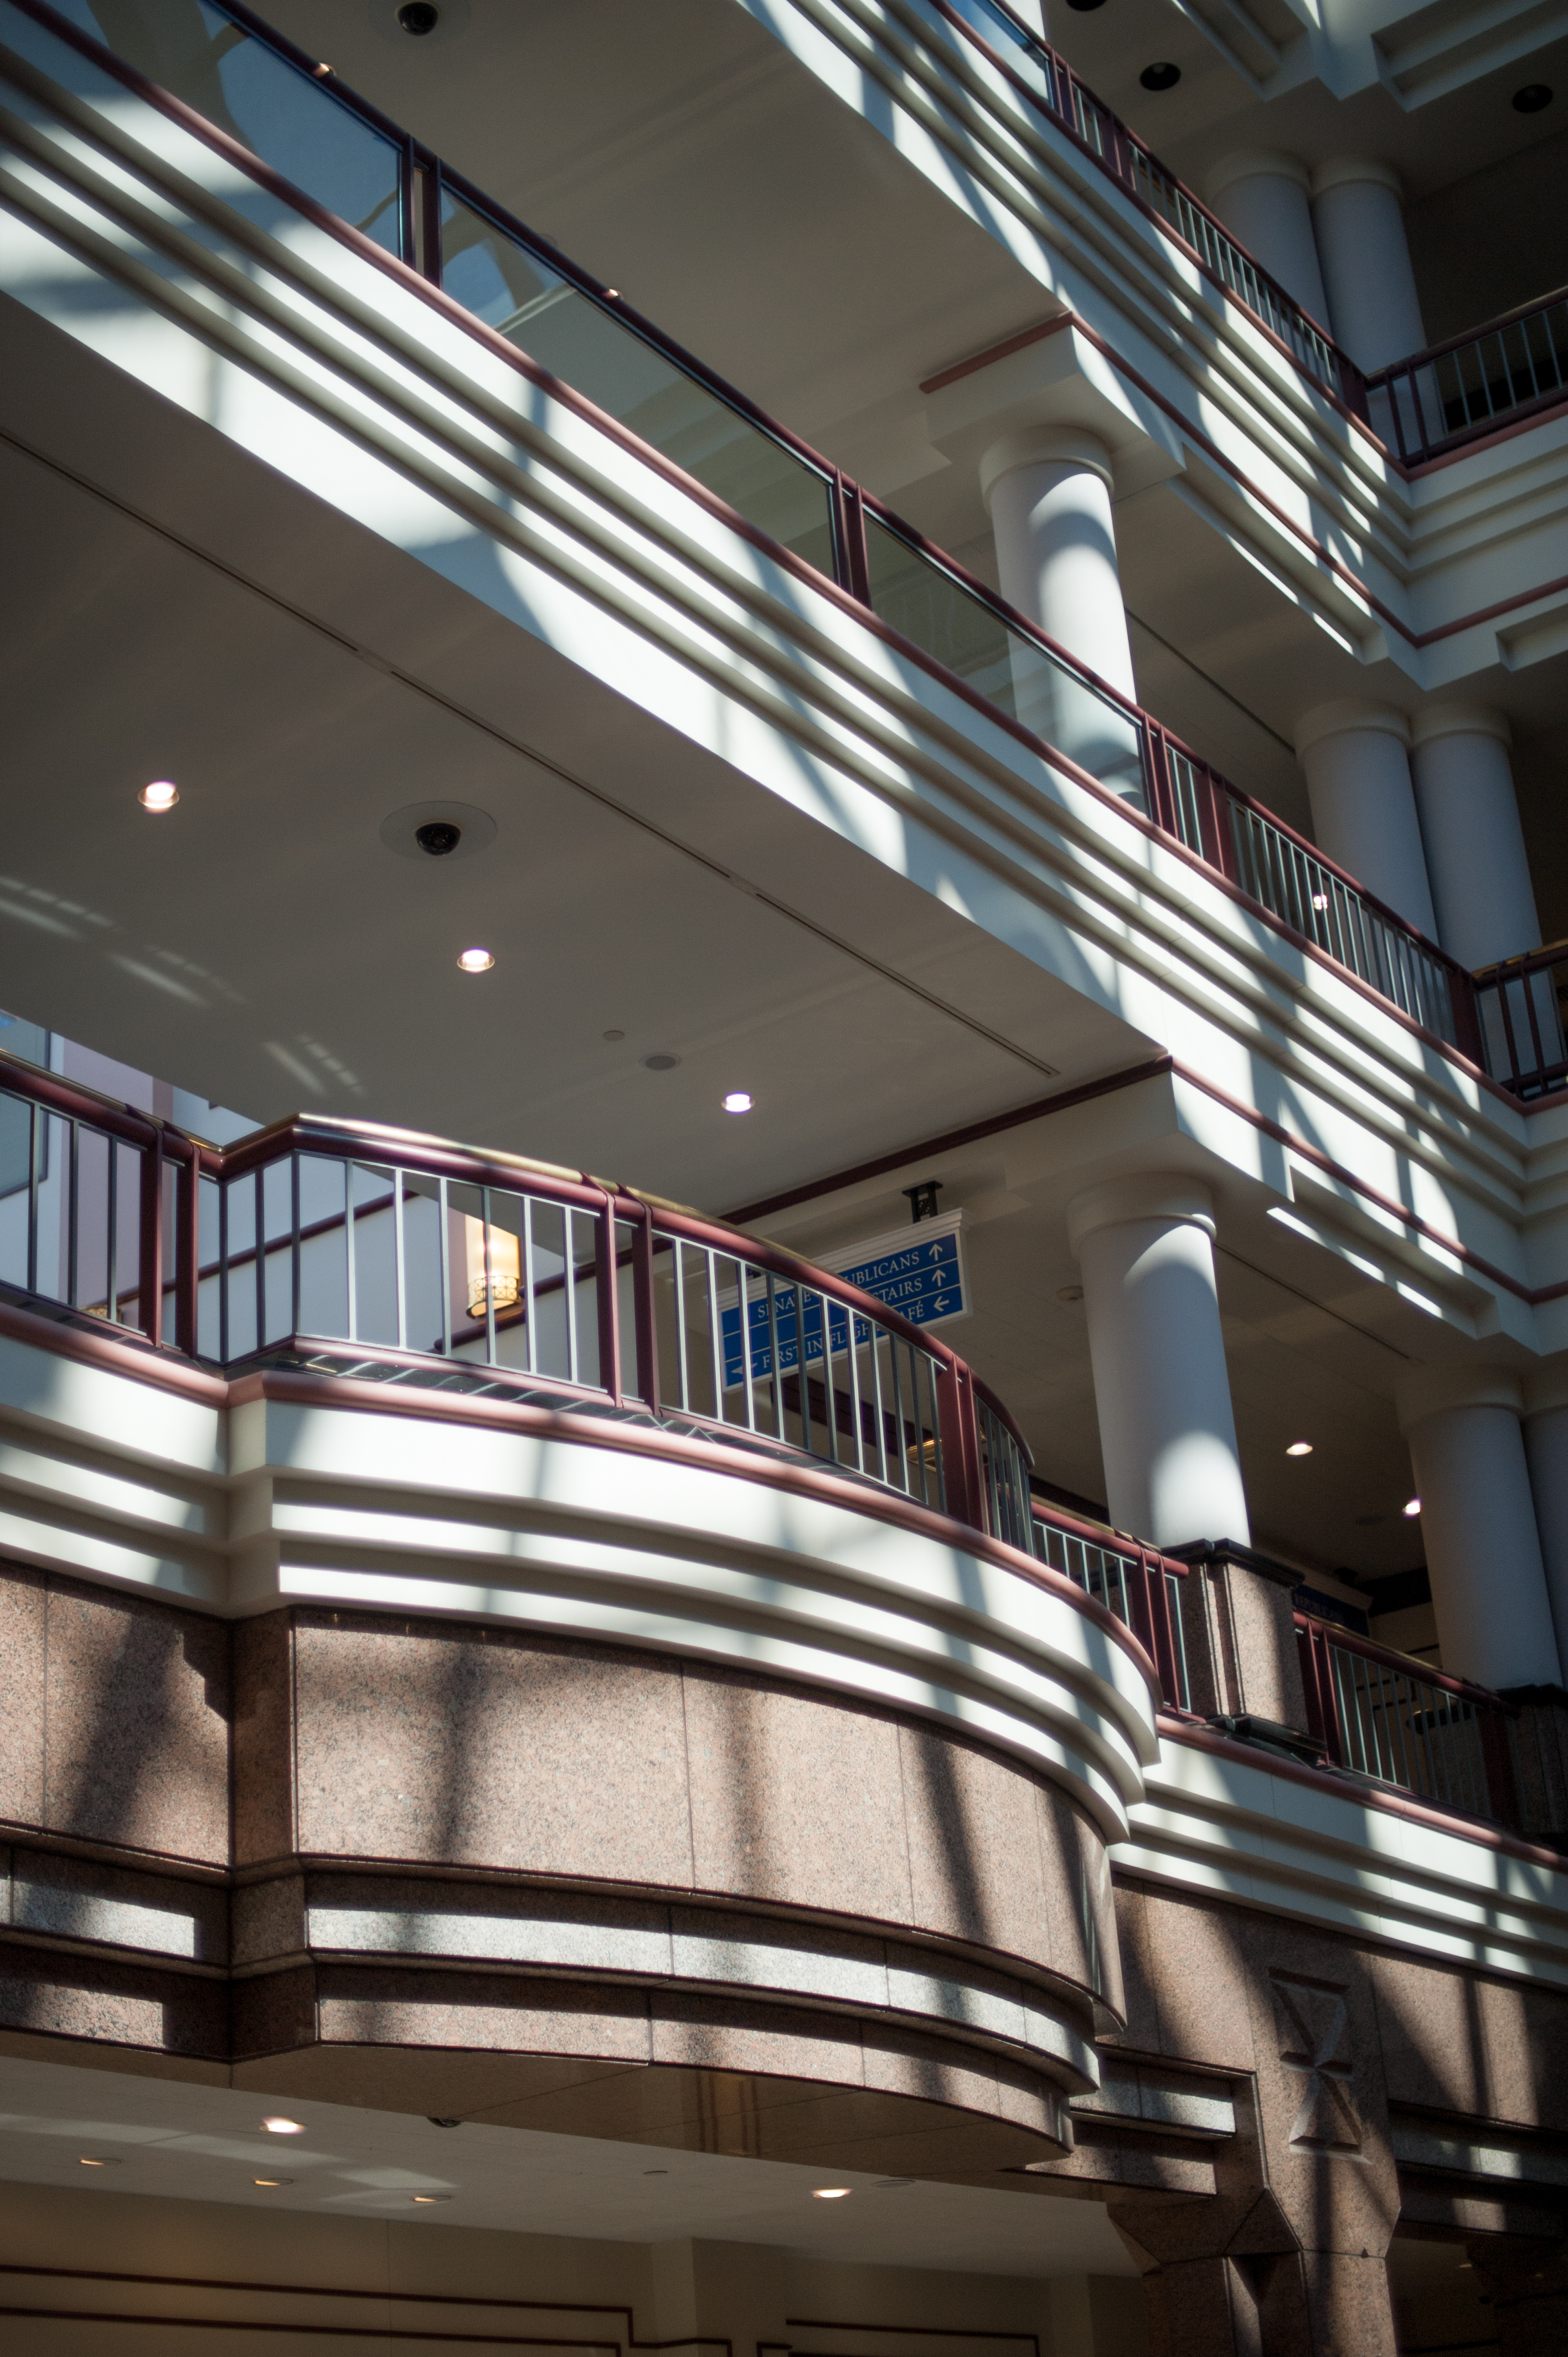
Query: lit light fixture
point(829, 2192)
point(160, 796)
point(432, 2196)
point(280, 2126)
point(86, 2161)
point(1299, 1448)
point(1411, 1508)
point(475, 960)
point(737, 1101)
point(1320, 901)
point(271, 2181)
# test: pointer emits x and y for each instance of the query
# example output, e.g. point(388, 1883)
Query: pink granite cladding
point(94, 1998)
point(263, 1740)
point(1454, 2041)
point(23, 1607)
point(136, 1724)
point(504, 1751)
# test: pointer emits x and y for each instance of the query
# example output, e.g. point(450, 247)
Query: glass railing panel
point(960, 631)
point(518, 294)
point(292, 122)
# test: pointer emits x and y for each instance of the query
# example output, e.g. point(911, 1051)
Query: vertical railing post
point(1322, 1720)
point(1467, 1035)
point(187, 1250)
point(1502, 1789)
point(430, 219)
point(852, 568)
point(1157, 779)
point(644, 1305)
point(607, 1293)
point(151, 1274)
point(961, 1445)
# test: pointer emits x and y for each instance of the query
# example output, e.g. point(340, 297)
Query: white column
point(1476, 859)
point(1546, 1454)
point(1048, 493)
point(1167, 1436)
point(1262, 198)
point(1364, 257)
point(1483, 1552)
point(1363, 806)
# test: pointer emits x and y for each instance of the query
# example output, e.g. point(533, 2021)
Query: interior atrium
point(936, 1716)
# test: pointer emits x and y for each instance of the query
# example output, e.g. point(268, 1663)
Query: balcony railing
point(1441, 399)
point(1520, 1008)
point(357, 1251)
point(1383, 1715)
point(1049, 82)
point(251, 95)
point(1138, 1585)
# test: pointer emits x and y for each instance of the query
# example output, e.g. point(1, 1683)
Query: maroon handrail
point(1402, 381)
point(1317, 1641)
point(169, 1226)
point(1144, 1572)
point(848, 503)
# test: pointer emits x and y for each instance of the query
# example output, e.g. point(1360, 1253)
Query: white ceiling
point(193, 2143)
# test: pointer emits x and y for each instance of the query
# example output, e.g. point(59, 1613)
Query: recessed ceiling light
point(432, 2196)
point(737, 1101)
point(1532, 98)
point(660, 1063)
point(475, 960)
point(1163, 76)
point(830, 2192)
point(1299, 1448)
point(280, 2126)
point(271, 2181)
point(1070, 1293)
point(655, 2172)
point(612, 1035)
point(161, 795)
point(1411, 1506)
point(419, 17)
point(86, 2162)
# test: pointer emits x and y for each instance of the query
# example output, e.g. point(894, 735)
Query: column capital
point(1255, 164)
point(1436, 720)
point(1347, 170)
point(1168, 1195)
point(1546, 1388)
point(1349, 715)
point(1043, 445)
point(1430, 1391)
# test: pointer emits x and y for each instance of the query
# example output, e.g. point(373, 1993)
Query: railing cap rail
point(1472, 336)
point(1408, 1664)
point(1109, 1540)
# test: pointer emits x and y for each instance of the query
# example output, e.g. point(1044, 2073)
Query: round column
point(1481, 886)
point(1363, 806)
point(1483, 1553)
point(1167, 1435)
point(1546, 1454)
point(1048, 493)
point(1359, 216)
point(1264, 200)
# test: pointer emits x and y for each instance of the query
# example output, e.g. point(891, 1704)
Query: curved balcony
point(630, 1643)
point(294, 141)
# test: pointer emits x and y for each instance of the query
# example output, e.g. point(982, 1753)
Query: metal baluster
point(35, 1177)
point(715, 1355)
point(443, 1209)
point(900, 1426)
point(72, 1156)
point(801, 1382)
point(569, 1282)
point(491, 1288)
point(744, 1276)
point(773, 1350)
point(259, 1197)
point(113, 1269)
point(681, 1371)
point(880, 1411)
point(530, 1204)
point(398, 1270)
point(830, 1392)
point(937, 1437)
point(353, 1276)
point(294, 1243)
point(852, 1354)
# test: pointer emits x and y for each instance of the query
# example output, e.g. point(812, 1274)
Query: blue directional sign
point(923, 1280)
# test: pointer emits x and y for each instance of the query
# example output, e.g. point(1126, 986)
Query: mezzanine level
point(338, 1365)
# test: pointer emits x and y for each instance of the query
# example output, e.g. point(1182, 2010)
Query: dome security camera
point(418, 17)
point(438, 837)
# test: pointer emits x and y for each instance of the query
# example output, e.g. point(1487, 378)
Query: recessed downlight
point(830, 2192)
point(419, 17)
point(271, 2181)
point(1299, 1448)
point(158, 797)
point(92, 2160)
point(475, 960)
point(279, 2126)
point(737, 1101)
point(1532, 98)
point(424, 2200)
point(660, 1063)
point(1160, 76)
point(1411, 1508)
